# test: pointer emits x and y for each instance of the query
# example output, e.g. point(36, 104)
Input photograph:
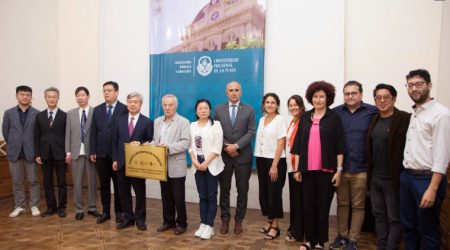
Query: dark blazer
point(50, 139)
point(143, 132)
point(101, 129)
point(332, 139)
point(397, 141)
point(17, 136)
point(241, 133)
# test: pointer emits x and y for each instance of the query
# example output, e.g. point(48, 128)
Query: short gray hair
point(51, 89)
point(170, 96)
point(135, 94)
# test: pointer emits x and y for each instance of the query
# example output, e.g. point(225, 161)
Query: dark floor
point(28, 232)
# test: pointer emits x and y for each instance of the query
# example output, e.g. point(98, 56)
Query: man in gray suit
point(18, 131)
point(239, 125)
point(173, 131)
point(78, 128)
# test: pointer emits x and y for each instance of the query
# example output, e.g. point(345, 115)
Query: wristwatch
point(340, 169)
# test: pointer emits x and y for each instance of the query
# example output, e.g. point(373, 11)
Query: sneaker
point(17, 211)
point(35, 211)
point(338, 243)
point(200, 230)
point(351, 245)
point(207, 233)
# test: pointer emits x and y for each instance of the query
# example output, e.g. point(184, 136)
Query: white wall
point(443, 85)
point(29, 48)
point(386, 39)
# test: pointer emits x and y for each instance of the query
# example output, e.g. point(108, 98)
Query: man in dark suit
point(103, 119)
point(18, 131)
point(133, 128)
point(239, 125)
point(49, 136)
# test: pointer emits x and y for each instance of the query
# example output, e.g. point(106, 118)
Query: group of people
point(352, 148)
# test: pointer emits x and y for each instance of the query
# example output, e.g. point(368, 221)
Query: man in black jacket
point(386, 138)
point(49, 136)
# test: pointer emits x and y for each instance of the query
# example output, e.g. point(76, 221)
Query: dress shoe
point(237, 228)
point(119, 217)
point(165, 227)
point(180, 230)
point(141, 225)
point(94, 213)
point(125, 224)
point(48, 212)
point(62, 213)
point(104, 217)
point(79, 216)
point(224, 227)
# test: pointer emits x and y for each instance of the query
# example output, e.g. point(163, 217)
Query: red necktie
point(131, 126)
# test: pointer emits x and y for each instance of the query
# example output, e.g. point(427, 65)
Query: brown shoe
point(224, 227)
point(238, 228)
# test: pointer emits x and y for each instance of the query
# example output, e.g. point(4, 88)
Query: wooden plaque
point(146, 161)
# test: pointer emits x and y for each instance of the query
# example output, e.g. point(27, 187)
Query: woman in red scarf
point(296, 108)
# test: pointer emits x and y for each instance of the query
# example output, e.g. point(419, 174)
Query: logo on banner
point(204, 66)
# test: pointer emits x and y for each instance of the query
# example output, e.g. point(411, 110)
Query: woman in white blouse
point(271, 163)
point(205, 150)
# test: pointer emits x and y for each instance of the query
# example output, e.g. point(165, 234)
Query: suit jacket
point(73, 132)
point(17, 137)
point(179, 141)
point(397, 140)
point(101, 129)
point(212, 141)
point(241, 133)
point(143, 132)
point(50, 139)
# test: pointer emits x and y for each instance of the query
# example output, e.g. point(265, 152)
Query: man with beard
point(426, 156)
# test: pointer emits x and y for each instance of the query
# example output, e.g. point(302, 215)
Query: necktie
point(83, 125)
point(131, 126)
point(50, 119)
point(109, 114)
point(233, 114)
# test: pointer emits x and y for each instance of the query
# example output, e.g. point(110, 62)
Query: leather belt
point(418, 172)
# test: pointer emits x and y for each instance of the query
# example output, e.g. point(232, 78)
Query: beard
point(422, 98)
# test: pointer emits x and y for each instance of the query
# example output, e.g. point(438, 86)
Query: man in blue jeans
point(426, 157)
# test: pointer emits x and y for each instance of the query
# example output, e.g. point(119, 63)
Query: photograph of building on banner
point(197, 47)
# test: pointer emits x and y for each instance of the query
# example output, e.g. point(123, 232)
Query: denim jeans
point(421, 226)
point(207, 191)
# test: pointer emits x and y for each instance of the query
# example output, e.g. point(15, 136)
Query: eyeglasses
point(348, 94)
point(415, 84)
point(382, 97)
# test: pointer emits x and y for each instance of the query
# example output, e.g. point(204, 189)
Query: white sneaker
point(17, 211)
point(35, 211)
point(200, 230)
point(207, 233)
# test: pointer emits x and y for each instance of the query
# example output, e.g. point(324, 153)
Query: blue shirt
point(355, 128)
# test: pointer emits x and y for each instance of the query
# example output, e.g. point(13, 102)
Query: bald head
point(234, 91)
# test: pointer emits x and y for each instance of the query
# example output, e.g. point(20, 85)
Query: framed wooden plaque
point(146, 161)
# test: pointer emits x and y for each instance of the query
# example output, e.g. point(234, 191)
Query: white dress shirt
point(428, 138)
point(267, 136)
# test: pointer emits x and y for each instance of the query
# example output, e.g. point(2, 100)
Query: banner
point(197, 47)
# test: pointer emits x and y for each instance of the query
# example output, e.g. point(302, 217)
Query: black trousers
point(317, 196)
point(296, 202)
point(270, 192)
point(58, 166)
point(125, 183)
point(242, 175)
point(105, 174)
point(174, 202)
